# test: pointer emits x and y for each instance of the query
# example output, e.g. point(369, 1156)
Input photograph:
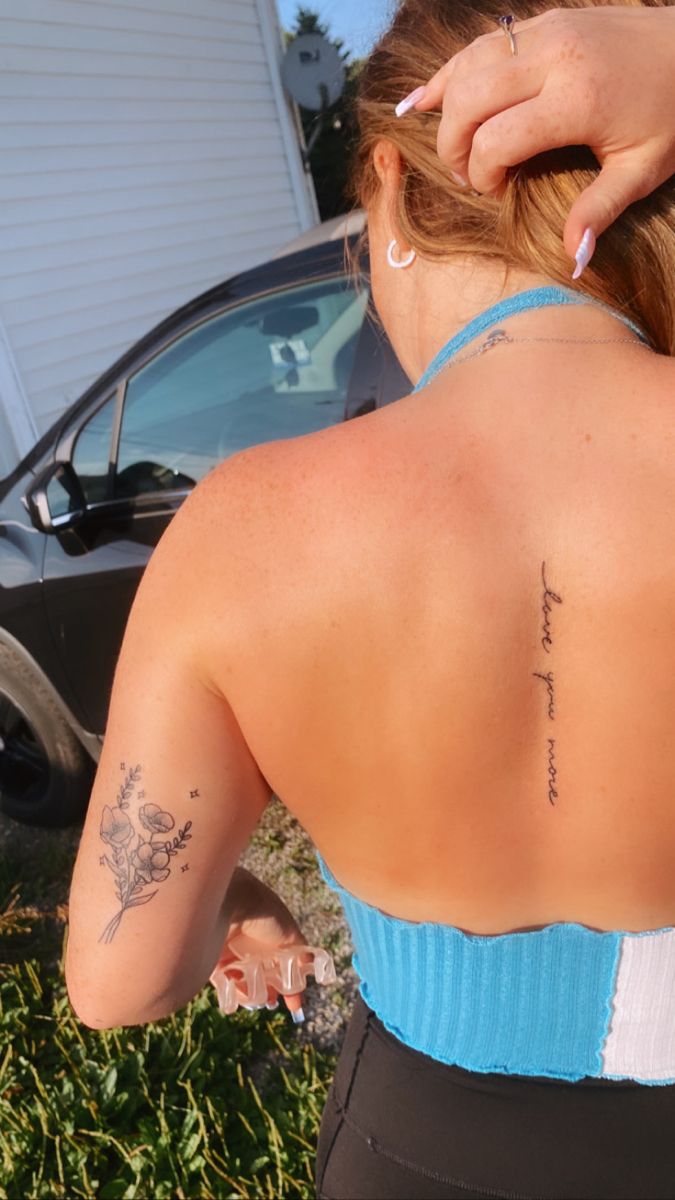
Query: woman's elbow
point(102, 1010)
point(94, 1005)
point(96, 1010)
point(90, 1012)
point(114, 995)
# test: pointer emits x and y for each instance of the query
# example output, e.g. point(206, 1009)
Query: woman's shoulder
point(261, 504)
point(278, 482)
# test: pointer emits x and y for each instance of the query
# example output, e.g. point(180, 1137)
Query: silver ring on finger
point(507, 22)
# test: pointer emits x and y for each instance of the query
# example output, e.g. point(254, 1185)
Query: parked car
point(282, 350)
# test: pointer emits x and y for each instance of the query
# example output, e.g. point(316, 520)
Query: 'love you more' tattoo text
point(137, 857)
point(547, 640)
point(549, 598)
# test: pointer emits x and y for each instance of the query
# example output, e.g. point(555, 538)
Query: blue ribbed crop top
point(565, 1001)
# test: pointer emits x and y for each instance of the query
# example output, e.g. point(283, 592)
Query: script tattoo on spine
point(548, 678)
point(137, 858)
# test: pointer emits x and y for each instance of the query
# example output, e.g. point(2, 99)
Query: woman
point(460, 686)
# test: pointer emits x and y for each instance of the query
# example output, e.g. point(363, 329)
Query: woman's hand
point(260, 924)
point(602, 77)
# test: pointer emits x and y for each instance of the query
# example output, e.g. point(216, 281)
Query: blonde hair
point(633, 268)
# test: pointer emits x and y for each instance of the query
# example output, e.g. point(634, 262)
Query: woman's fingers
point(294, 1006)
point(601, 76)
point(470, 103)
point(485, 81)
point(280, 971)
point(293, 1003)
point(485, 51)
point(488, 51)
point(624, 178)
point(511, 137)
point(430, 95)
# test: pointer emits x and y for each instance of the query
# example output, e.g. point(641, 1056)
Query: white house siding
point(146, 152)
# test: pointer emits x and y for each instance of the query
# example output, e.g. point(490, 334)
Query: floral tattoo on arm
point(137, 859)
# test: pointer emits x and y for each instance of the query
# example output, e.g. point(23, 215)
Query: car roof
point(348, 225)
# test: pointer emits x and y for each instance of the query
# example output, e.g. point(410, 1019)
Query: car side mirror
point(55, 499)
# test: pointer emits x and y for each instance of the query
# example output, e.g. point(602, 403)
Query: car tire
point(45, 773)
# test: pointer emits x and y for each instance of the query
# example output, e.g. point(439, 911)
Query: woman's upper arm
point(177, 792)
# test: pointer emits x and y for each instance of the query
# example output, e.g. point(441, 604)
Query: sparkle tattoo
point(548, 678)
point(137, 859)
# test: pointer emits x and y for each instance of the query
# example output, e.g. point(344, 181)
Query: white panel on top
point(641, 1037)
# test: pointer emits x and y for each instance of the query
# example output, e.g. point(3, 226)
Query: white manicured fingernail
point(272, 1006)
point(410, 101)
point(585, 252)
point(459, 179)
point(298, 1016)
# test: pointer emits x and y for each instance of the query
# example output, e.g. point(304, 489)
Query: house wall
point(148, 151)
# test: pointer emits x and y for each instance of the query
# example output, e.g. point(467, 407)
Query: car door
point(269, 368)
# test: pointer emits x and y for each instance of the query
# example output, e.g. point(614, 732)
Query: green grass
point(197, 1105)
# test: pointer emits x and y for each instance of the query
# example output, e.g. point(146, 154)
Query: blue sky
point(357, 22)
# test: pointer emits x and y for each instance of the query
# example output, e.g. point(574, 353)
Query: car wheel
point(45, 772)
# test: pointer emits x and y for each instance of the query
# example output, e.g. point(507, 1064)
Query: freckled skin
point(397, 615)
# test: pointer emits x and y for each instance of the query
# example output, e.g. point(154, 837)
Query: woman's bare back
point(455, 664)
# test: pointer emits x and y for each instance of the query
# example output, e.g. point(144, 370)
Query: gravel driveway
point(36, 864)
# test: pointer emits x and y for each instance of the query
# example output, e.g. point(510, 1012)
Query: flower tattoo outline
point(137, 858)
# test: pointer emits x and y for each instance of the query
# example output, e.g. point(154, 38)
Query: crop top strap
point(542, 297)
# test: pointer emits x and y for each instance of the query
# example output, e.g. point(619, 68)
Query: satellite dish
point(313, 72)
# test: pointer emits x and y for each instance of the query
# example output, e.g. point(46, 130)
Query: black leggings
point(400, 1124)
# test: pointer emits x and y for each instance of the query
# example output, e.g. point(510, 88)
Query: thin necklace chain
point(500, 335)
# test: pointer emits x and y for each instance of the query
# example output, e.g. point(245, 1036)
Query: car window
point(91, 453)
point(272, 368)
